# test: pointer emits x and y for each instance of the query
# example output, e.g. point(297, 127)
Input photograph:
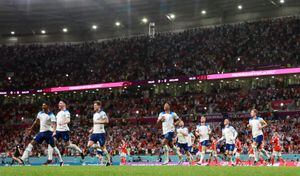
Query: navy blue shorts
point(259, 139)
point(183, 146)
point(190, 149)
point(169, 136)
point(230, 147)
point(205, 143)
point(44, 136)
point(64, 135)
point(98, 137)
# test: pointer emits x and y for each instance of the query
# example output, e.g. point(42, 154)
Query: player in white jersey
point(257, 124)
point(62, 131)
point(203, 131)
point(182, 142)
point(190, 140)
point(98, 131)
point(47, 120)
point(229, 134)
point(168, 119)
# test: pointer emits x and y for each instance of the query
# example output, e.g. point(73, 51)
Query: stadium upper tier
point(229, 48)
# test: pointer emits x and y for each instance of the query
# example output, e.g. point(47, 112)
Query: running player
point(229, 134)
point(168, 119)
point(276, 149)
point(190, 140)
point(182, 143)
point(45, 118)
point(256, 124)
point(98, 131)
point(203, 131)
point(62, 131)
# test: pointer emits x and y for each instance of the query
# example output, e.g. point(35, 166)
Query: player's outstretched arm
point(36, 121)
point(264, 123)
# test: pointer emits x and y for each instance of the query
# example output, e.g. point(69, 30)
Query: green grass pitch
point(148, 171)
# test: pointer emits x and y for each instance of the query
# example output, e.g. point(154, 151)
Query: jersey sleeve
point(159, 116)
point(103, 115)
point(175, 116)
point(185, 130)
point(67, 114)
point(38, 116)
point(53, 117)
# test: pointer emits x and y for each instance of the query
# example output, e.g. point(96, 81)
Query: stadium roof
point(27, 18)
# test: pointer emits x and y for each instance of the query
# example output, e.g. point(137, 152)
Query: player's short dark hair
point(99, 103)
point(64, 101)
point(255, 111)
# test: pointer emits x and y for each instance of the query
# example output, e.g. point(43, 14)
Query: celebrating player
point(229, 134)
point(98, 132)
point(45, 118)
point(182, 143)
point(203, 131)
point(62, 131)
point(276, 148)
point(256, 124)
point(168, 119)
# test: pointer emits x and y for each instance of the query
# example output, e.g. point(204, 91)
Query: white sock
point(75, 147)
point(27, 152)
point(50, 152)
point(201, 157)
point(58, 153)
point(265, 153)
point(256, 153)
point(166, 151)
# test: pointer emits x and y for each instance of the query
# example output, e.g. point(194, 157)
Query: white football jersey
point(204, 131)
point(99, 128)
point(180, 137)
point(189, 139)
point(255, 125)
point(46, 120)
point(168, 123)
point(229, 134)
point(61, 117)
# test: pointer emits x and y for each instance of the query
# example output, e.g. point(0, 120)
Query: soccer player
point(203, 131)
point(168, 119)
point(213, 150)
point(98, 132)
point(237, 151)
point(229, 134)
point(182, 143)
point(62, 131)
point(190, 140)
point(46, 119)
point(257, 124)
point(123, 152)
point(276, 149)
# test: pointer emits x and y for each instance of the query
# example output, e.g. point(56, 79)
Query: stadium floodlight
point(118, 23)
point(65, 30)
point(144, 20)
point(94, 27)
point(240, 7)
point(203, 12)
point(43, 31)
point(12, 32)
point(171, 16)
point(282, 1)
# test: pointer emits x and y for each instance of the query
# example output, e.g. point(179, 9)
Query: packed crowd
point(130, 103)
point(146, 139)
point(227, 48)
